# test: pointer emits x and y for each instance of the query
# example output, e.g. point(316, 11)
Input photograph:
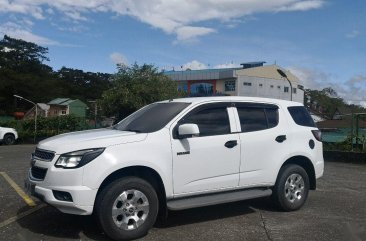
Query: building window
point(63, 112)
point(260, 85)
point(271, 86)
point(278, 87)
point(247, 84)
point(183, 87)
point(294, 90)
point(201, 89)
point(230, 85)
point(286, 89)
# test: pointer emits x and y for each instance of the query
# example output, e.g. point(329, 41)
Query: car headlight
point(78, 158)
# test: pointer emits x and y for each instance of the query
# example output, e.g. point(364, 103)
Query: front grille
point(38, 172)
point(44, 155)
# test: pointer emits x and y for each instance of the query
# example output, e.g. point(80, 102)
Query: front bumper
point(80, 195)
point(61, 180)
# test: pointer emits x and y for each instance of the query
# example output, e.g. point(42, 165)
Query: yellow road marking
point(21, 193)
point(21, 215)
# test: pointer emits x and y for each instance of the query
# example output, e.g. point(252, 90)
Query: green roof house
point(66, 106)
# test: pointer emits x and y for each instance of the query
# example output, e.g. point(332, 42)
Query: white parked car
point(8, 136)
point(180, 154)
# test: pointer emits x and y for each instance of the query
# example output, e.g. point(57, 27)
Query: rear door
point(264, 143)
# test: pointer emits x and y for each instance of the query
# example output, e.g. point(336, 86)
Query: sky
point(323, 42)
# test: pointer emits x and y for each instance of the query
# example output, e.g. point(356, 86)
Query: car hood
point(89, 139)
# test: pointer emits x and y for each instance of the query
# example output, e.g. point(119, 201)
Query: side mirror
point(188, 130)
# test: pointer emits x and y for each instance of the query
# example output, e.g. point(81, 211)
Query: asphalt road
point(335, 211)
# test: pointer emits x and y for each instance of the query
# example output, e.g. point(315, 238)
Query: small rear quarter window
point(301, 116)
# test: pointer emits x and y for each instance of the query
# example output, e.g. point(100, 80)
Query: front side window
point(211, 121)
point(151, 118)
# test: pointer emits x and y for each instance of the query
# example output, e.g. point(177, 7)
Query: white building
point(254, 79)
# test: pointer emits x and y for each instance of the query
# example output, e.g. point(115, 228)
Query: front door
point(211, 160)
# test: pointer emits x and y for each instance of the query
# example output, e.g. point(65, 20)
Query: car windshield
point(151, 118)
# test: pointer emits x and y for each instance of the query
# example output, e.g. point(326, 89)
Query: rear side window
point(252, 119)
point(301, 116)
point(257, 118)
point(210, 121)
point(272, 117)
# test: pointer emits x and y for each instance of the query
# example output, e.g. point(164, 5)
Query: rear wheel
point(127, 208)
point(292, 188)
point(9, 139)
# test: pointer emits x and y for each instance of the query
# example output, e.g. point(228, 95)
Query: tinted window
point(301, 116)
point(210, 121)
point(272, 117)
point(252, 119)
point(151, 118)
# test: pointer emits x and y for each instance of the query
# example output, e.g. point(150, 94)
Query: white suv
point(8, 136)
point(180, 154)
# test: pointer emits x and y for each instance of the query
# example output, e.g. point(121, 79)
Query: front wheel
point(127, 208)
point(292, 188)
point(9, 139)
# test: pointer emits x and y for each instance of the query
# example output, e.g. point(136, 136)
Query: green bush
point(47, 127)
point(346, 145)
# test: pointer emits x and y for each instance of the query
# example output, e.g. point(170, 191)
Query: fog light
point(62, 196)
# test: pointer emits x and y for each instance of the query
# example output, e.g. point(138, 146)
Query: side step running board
point(216, 198)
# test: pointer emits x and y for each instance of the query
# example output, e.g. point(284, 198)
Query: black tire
point(290, 193)
point(9, 139)
point(107, 198)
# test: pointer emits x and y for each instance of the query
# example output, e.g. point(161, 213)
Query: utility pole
point(35, 118)
point(95, 111)
point(282, 73)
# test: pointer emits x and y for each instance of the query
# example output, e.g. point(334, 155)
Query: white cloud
point(190, 33)
point(197, 65)
point(194, 65)
point(352, 91)
point(302, 5)
point(17, 31)
point(353, 34)
point(311, 78)
point(118, 58)
point(183, 18)
point(227, 65)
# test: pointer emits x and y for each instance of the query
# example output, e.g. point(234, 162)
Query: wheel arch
point(148, 174)
point(305, 163)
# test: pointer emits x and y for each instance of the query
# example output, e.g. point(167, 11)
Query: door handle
point(281, 138)
point(231, 144)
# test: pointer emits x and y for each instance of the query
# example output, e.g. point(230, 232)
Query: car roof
point(198, 100)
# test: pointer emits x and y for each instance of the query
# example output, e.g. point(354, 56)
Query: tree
point(328, 101)
point(23, 72)
point(136, 86)
point(83, 85)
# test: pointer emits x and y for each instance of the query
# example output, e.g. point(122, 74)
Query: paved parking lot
point(336, 211)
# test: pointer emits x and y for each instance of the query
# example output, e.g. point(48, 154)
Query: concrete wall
point(268, 88)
